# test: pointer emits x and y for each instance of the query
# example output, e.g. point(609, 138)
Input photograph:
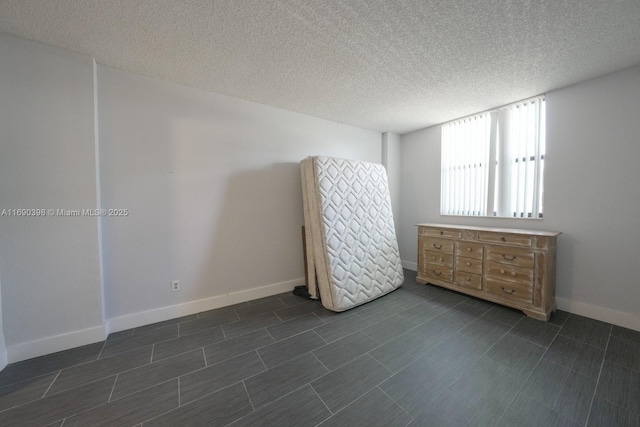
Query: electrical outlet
point(175, 285)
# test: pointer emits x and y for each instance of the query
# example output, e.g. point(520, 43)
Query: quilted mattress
point(350, 236)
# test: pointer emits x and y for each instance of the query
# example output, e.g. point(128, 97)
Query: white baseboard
point(56, 343)
point(615, 317)
point(74, 339)
point(66, 341)
point(134, 320)
point(413, 266)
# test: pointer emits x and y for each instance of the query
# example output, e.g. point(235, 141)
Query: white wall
point(213, 189)
point(420, 195)
point(3, 346)
point(591, 195)
point(392, 161)
point(51, 294)
point(211, 183)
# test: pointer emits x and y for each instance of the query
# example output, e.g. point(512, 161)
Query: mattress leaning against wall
point(351, 242)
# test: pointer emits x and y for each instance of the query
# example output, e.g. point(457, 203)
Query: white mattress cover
point(350, 233)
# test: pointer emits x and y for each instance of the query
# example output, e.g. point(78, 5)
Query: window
point(493, 162)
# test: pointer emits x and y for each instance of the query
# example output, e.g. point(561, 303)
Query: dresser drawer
point(509, 273)
point(438, 273)
point(452, 234)
point(469, 250)
point(507, 239)
point(509, 255)
point(468, 280)
point(511, 292)
point(438, 258)
point(438, 245)
point(469, 265)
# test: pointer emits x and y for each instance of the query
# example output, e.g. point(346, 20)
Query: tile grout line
point(582, 342)
point(225, 338)
point(33, 400)
point(363, 314)
point(381, 345)
point(113, 388)
point(135, 392)
point(85, 410)
point(149, 364)
point(270, 403)
point(318, 335)
point(102, 348)
point(538, 344)
point(75, 387)
point(321, 400)
point(323, 365)
point(179, 402)
point(279, 318)
point(135, 348)
point(422, 354)
point(207, 329)
point(359, 397)
point(374, 340)
point(220, 389)
point(394, 401)
point(253, 408)
point(516, 395)
point(623, 338)
point(509, 369)
point(321, 319)
point(618, 406)
point(187, 351)
point(163, 413)
point(595, 389)
point(261, 361)
point(51, 385)
point(275, 340)
point(204, 354)
point(153, 347)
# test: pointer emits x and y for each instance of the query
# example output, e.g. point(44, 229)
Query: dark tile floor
point(420, 356)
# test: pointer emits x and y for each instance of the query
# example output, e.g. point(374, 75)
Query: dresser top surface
point(493, 229)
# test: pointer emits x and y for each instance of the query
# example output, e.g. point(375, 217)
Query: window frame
point(509, 190)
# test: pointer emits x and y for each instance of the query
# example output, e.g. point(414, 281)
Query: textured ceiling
point(382, 65)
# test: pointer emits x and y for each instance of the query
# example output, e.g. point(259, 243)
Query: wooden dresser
point(513, 267)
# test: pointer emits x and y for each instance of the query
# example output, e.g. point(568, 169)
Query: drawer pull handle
point(503, 239)
point(441, 233)
point(469, 249)
point(468, 279)
point(514, 274)
point(508, 291)
point(502, 271)
point(468, 264)
point(437, 273)
point(437, 246)
point(508, 258)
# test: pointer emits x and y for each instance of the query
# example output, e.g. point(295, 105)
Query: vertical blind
point(465, 158)
point(493, 162)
